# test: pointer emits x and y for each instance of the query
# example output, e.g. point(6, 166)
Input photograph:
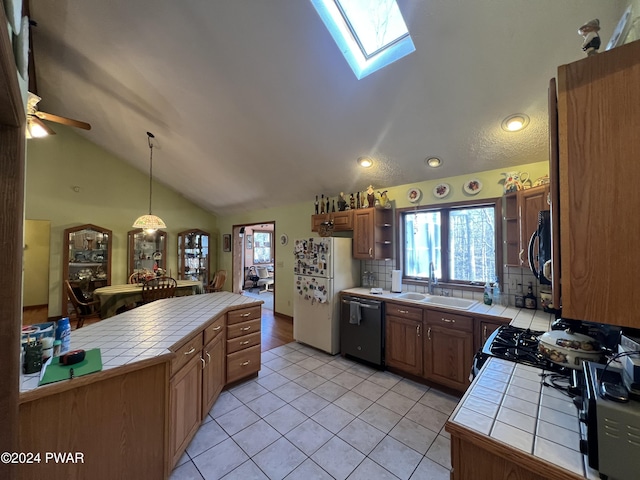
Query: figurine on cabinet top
point(342, 203)
point(589, 32)
point(371, 197)
point(384, 199)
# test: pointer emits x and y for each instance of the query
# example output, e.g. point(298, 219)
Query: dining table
point(114, 297)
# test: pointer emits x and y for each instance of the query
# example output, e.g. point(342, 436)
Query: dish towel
point(355, 314)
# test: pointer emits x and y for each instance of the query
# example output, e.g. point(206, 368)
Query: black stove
point(519, 345)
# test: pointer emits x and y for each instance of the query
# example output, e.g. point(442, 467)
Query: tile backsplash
point(520, 277)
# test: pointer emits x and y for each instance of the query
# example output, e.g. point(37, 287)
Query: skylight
point(370, 33)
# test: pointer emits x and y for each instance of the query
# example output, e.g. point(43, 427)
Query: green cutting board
point(55, 371)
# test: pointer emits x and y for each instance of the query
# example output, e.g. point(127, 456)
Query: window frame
point(255, 247)
point(445, 208)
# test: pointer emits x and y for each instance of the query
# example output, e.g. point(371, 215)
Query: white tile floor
point(310, 415)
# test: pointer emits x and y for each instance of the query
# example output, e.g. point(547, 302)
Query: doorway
point(254, 262)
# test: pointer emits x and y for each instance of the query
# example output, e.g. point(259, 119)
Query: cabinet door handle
point(246, 342)
point(244, 364)
point(418, 330)
point(217, 328)
point(204, 364)
point(448, 320)
point(403, 311)
point(244, 329)
point(193, 349)
point(484, 333)
point(370, 252)
point(245, 314)
point(208, 357)
point(429, 333)
point(520, 257)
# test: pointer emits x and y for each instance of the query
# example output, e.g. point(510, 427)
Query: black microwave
point(540, 252)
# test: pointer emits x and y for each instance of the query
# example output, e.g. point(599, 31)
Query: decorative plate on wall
point(284, 239)
point(414, 195)
point(473, 186)
point(441, 190)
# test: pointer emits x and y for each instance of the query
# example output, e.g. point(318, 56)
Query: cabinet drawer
point(243, 328)
point(185, 352)
point(243, 363)
point(213, 330)
point(243, 315)
point(245, 341)
point(404, 311)
point(450, 320)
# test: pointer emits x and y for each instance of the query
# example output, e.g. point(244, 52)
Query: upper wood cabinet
point(86, 259)
point(598, 183)
point(521, 220)
point(193, 256)
point(342, 221)
point(147, 251)
point(372, 233)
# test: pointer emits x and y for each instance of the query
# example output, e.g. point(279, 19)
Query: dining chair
point(157, 288)
point(137, 277)
point(217, 283)
point(84, 309)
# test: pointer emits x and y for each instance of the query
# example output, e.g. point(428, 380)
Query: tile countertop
point(520, 317)
point(149, 330)
point(510, 403)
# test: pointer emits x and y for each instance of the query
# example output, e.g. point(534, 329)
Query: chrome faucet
point(433, 281)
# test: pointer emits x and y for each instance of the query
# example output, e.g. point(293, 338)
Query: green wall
point(295, 220)
point(111, 194)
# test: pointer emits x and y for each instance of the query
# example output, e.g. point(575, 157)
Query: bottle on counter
point(530, 301)
point(497, 295)
point(488, 298)
point(63, 333)
point(519, 299)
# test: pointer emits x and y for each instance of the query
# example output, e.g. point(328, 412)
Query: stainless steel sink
point(450, 302)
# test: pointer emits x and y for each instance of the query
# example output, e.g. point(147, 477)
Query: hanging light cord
point(149, 137)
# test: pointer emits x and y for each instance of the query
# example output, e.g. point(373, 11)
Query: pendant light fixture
point(150, 223)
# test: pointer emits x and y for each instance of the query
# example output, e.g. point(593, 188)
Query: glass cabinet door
point(193, 256)
point(86, 259)
point(147, 252)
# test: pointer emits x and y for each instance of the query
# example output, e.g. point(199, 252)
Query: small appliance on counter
point(612, 443)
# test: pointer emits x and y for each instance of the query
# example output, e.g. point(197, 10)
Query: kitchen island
point(163, 363)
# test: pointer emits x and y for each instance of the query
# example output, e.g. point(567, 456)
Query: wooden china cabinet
point(147, 251)
point(86, 259)
point(193, 255)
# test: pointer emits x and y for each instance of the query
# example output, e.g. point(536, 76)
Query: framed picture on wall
point(249, 242)
point(226, 242)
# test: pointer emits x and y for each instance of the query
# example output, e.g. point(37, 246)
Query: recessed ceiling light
point(433, 162)
point(365, 162)
point(515, 123)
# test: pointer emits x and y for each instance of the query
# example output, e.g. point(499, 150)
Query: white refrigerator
point(323, 266)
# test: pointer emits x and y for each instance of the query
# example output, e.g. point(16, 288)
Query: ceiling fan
point(37, 128)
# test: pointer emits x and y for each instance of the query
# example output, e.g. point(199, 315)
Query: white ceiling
point(254, 106)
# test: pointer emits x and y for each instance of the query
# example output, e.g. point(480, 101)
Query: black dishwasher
point(362, 329)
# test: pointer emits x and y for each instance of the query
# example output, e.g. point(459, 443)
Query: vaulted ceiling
point(253, 105)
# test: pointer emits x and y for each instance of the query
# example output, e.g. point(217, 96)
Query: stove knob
point(584, 447)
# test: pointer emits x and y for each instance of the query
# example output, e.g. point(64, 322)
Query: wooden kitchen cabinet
point(484, 328)
point(598, 112)
point(403, 338)
point(448, 348)
point(213, 374)
point(243, 345)
point(521, 220)
point(342, 221)
point(185, 405)
point(373, 233)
